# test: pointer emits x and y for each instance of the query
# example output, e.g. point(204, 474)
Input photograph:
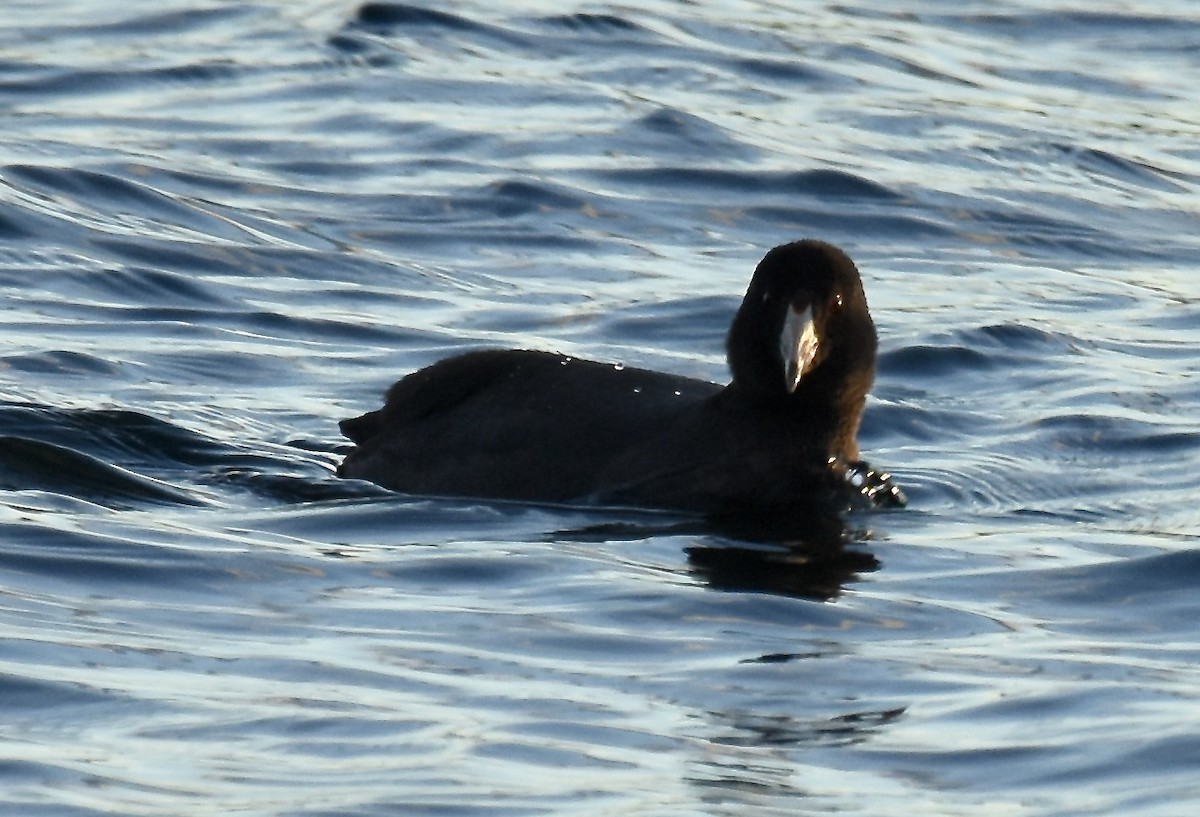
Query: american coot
point(537, 426)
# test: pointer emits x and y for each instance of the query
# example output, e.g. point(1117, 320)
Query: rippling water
point(225, 226)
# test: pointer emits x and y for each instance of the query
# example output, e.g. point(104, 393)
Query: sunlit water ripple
point(224, 227)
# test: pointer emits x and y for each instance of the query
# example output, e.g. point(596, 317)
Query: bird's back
point(516, 425)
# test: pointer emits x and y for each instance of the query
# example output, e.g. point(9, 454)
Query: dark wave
point(59, 362)
point(591, 24)
point(124, 459)
point(398, 15)
point(35, 465)
point(747, 185)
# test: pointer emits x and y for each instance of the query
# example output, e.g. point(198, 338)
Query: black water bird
point(543, 427)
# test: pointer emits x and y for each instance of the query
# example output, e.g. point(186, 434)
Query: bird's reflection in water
point(810, 555)
point(798, 569)
point(813, 555)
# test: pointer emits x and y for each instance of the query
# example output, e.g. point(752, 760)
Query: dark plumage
point(538, 426)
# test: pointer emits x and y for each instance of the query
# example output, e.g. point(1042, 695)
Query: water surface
point(225, 226)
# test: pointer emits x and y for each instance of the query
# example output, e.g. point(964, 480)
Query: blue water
point(225, 226)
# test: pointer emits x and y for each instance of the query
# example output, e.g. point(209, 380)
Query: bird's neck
point(824, 411)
